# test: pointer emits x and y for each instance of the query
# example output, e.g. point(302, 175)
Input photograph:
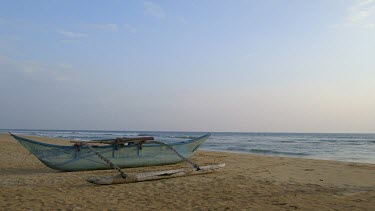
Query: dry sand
point(248, 182)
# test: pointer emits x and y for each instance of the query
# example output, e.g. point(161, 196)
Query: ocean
point(326, 146)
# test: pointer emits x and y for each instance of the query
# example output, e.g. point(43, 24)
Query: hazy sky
point(271, 66)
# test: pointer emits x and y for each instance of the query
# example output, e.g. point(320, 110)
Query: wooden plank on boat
point(156, 175)
point(118, 140)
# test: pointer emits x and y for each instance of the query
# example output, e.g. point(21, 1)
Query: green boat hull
point(81, 158)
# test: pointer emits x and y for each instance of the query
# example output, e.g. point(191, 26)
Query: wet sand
point(249, 182)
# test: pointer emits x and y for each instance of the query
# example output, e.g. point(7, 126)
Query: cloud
point(113, 27)
point(106, 26)
point(183, 20)
point(71, 35)
point(362, 14)
point(130, 28)
point(34, 71)
point(153, 9)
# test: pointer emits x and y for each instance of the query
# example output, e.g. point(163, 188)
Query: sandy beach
point(249, 182)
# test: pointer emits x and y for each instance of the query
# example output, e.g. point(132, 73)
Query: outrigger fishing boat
point(119, 153)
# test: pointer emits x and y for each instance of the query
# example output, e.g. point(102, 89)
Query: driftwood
point(156, 175)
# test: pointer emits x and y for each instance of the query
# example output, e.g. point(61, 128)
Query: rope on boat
point(114, 166)
point(195, 166)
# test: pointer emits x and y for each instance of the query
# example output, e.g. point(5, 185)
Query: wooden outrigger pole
point(146, 176)
point(154, 175)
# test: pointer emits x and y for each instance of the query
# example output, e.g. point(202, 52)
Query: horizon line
point(181, 131)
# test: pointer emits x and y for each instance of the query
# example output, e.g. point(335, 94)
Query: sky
point(234, 66)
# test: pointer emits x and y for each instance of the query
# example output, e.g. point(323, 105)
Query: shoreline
point(281, 156)
point(249, 181)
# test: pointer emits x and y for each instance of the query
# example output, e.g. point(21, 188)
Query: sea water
point(327, 146)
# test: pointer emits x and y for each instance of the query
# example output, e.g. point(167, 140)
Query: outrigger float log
point(120, 153)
